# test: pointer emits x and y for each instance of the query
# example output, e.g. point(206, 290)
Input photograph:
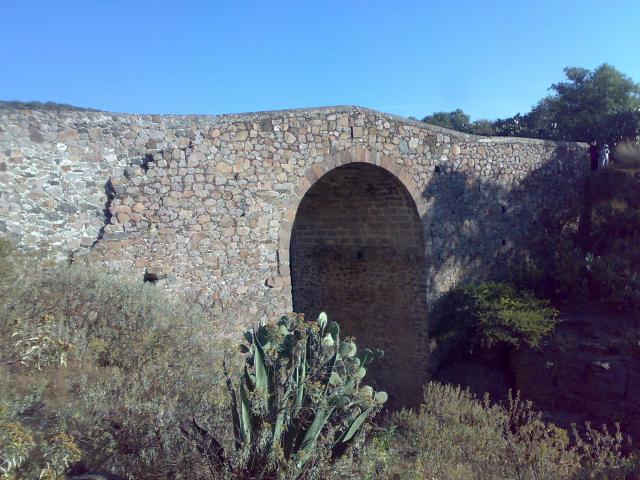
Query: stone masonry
point(357, 253)
point(207, 206)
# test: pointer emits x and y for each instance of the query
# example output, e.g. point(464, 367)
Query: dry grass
point(455, 436)
point(136, 366)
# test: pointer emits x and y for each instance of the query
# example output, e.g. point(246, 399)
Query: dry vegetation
point(457, 436)
point(100, 373)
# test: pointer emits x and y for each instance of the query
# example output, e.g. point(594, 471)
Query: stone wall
point(206, 205)
point(54, 169)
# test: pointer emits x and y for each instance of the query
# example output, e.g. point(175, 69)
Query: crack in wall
point(110, 192)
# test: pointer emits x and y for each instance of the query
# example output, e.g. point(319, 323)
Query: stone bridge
point(367, 216)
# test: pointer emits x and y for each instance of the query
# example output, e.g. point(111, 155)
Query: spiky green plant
point(298, 401)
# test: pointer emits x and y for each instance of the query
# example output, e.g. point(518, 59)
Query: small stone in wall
point(123, 218)
point(241, 136)
point(35, 135)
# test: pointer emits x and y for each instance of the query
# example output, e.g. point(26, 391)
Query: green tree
point(600, 105)
point(516, 126)
point(456, 120)
point(460, 121)
point(586, 106)
point(482, 127)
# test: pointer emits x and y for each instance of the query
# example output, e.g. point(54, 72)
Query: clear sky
point(490, 58)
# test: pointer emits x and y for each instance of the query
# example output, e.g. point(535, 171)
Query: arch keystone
point(359, 153)
point(343, 157)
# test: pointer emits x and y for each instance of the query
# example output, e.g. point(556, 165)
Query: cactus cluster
point(300, 392)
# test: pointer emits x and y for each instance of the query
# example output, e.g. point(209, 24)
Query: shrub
point(492, 314)
point(122, 367)
point(299, 404)
point(16, 443)
point(141, 393)
point(456, 436)
point(122, 370)
point(28, 449)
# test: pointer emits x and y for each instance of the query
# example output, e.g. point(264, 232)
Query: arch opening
point(357, 253)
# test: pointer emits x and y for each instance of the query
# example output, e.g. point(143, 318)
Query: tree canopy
point(585, 105)
point(456, 120)
point(599, 105)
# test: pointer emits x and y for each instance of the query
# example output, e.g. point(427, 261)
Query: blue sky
point(490, 58)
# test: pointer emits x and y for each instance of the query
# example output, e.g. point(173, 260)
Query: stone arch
point(356, 251)
point(318, 170)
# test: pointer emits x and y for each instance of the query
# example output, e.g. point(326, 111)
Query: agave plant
point(301, 386)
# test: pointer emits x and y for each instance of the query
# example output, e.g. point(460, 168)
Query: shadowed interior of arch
point(357, 252)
